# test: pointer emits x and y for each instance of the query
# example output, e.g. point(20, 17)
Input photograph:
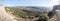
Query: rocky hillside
point(4, 16)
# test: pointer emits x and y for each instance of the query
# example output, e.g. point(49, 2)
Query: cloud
point(51, 3)
point(54, 2)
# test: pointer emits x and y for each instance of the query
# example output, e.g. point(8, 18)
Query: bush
point(43, 17)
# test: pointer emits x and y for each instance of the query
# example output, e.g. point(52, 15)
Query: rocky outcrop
point(4, 16)
point(56, 16)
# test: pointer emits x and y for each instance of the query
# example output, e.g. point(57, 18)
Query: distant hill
point(29, 10)
point(46, 9)
point(37, 8)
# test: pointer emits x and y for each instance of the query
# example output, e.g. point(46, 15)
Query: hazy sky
point(47, 3)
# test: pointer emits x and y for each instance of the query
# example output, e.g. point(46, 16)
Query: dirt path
point(58, 15)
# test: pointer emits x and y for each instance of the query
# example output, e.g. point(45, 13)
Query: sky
point(46, 3)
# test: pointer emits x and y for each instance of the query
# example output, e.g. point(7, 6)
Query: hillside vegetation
point(24, 13)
